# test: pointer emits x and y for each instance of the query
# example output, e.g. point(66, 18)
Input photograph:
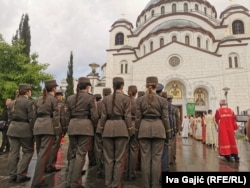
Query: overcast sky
point(81, 26)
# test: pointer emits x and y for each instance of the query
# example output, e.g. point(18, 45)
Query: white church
point(199, 56)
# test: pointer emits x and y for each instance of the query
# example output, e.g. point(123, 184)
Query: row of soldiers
point(123, 126)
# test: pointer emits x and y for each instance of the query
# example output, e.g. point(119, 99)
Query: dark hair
point(116, 86)
point(150, 87)
point(46, 90)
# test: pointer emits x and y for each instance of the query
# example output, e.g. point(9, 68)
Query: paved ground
point(192, 155)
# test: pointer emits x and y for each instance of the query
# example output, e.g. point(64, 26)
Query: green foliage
point(16, 68)
point(70, 80)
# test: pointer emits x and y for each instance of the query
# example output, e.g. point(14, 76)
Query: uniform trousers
point(151, 155)
point(99, 154)
point(173, 150)
point(79, 146)
point(132, 157)
point(114, 151)
point(18, 167)
point(53, 153)
point(91, 153)
point(43, 144)
point(165, 158)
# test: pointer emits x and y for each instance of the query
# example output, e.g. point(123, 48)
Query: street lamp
point(93, 66)
point(226, 89)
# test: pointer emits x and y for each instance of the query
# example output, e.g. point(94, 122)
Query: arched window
point(236, 62)
point(173, 8)
point(185, 7)
point(207, 45)
point(152, 13)
point(205, 11)
point(162, 10)
point(238, 27)
point(198, 42)
point(144, 49)
point(174, 38)
point(145, 18)
point(161, 42)
point(126, 68)
point(187, 41)
point(151, 46)
point(233, 60)
point(196, 7)
point(119, 39)
point(121, 68)
point(230, 62)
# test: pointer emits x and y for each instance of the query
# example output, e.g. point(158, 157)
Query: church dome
point(151, 3)
point(175, 23)
point(122, 20)
point(233, 7)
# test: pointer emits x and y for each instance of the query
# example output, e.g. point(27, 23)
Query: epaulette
point(90, 94)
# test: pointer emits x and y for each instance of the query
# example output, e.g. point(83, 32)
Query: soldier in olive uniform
point(60, 131)
point(98, 138)
point(83, 117)
point(47, 118)
point(176, 115)
point(133, 145)
point(172, 125)
point(153, 128)
point(21, 135)
point(117, 125)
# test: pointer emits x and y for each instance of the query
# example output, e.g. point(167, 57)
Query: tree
point(23, 33)
point(15, 70)
point(70, 80)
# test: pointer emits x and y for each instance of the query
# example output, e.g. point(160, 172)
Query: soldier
point(5, 146)
point(133, 146)
point(83, 117)
point(47, 117)
point(60, 131)
point(98, 138)
point(172, 125)
point(117, 126)
point(139, 94)
point(176, 114)
point(21, 135)
point(152, 125)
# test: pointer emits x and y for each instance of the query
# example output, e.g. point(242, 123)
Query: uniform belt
point(80, 117)
point(21, 120)
point(43, 115)
point(115, 117)
point(151, 117)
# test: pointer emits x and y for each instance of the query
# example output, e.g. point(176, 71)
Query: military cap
point(141, 93)
point(59, 92)
point(50, 83)
point(84, 80)
point(169, 97)
point(118, 80)
point(223, 102)
point(132, 88)
point(159, 87)
point(24, 87)
point(98, 96)
point(164, 94)
point(152, 79)
point(106, 91)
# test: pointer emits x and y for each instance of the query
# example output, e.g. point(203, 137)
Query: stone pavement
point(192, 155)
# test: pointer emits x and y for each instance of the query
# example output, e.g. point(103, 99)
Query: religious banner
point(190, 107)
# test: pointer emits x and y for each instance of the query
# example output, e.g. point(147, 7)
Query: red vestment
point(226, 121)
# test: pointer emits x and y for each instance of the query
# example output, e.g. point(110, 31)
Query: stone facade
point(194, 52)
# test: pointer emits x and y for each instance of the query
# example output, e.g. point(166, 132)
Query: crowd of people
point(216, 131)
point(120, 132)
